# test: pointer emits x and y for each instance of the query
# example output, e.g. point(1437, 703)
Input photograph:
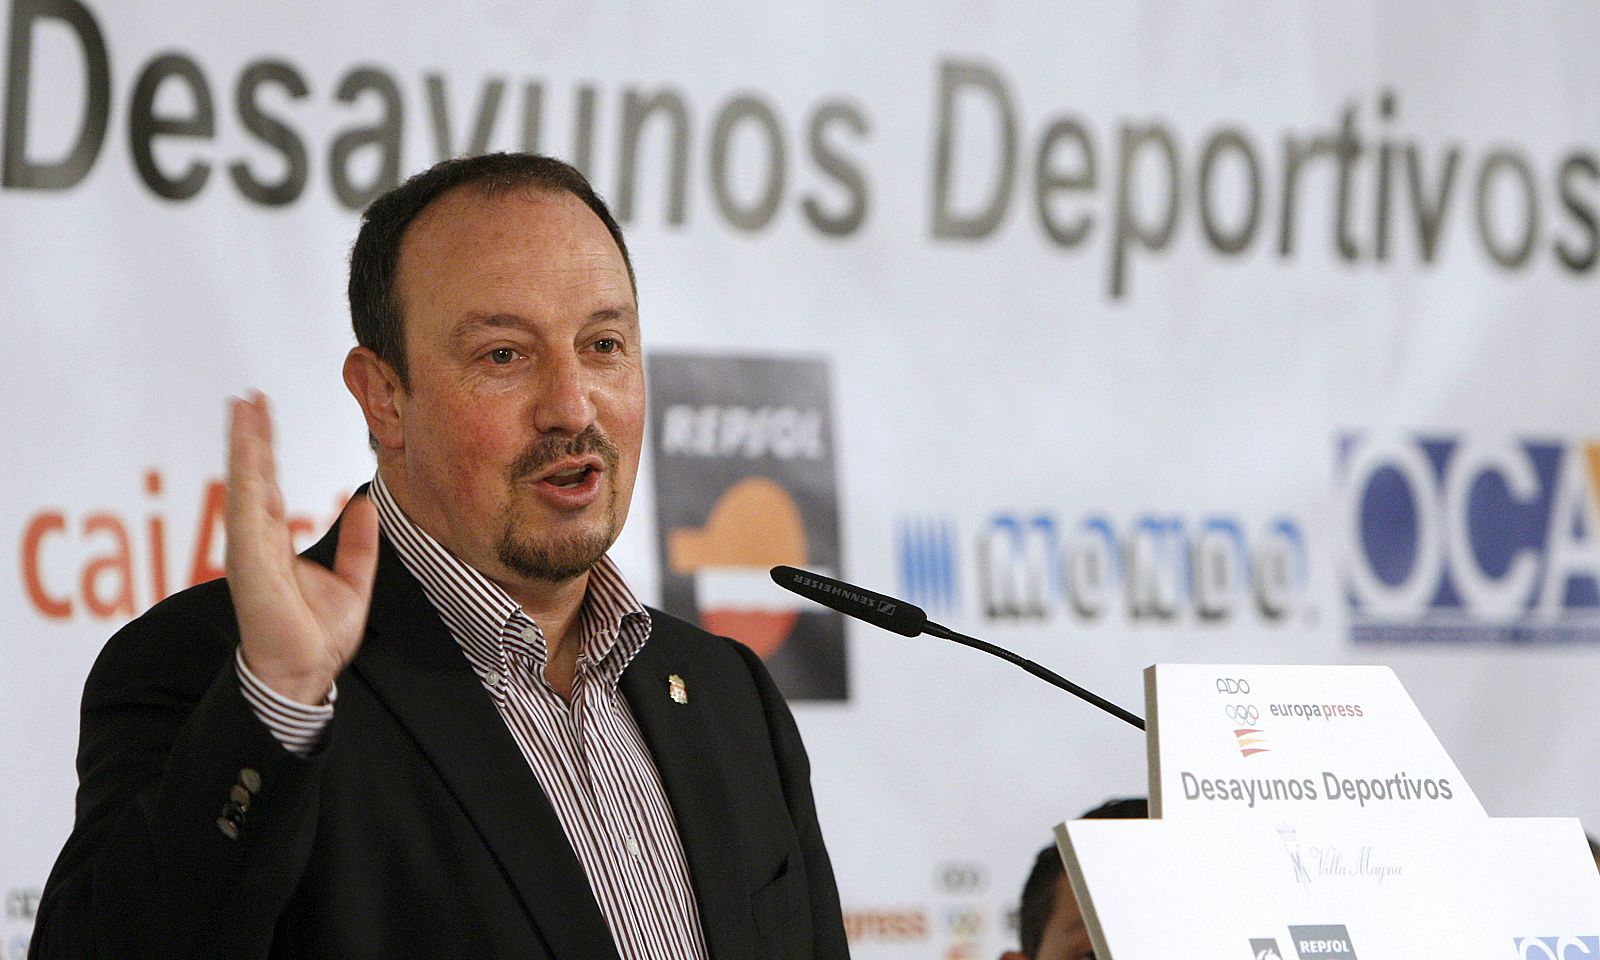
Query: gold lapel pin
point(676, 690)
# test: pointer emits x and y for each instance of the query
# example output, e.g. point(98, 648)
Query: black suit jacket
point(417, 828)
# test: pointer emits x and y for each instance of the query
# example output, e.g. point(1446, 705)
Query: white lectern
point(1309, 813)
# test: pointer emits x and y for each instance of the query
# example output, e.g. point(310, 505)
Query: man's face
point(1065, 936)
point(522, 426)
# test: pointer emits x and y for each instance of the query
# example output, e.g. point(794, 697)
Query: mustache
point(550, 448)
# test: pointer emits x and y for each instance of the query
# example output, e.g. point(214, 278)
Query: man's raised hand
point(299, 622)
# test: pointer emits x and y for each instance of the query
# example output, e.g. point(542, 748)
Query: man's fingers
point(244, 486)
point(266, 461)
point(259, 401)
point(254, 504)
point(241, 447)
point(250, 440)
point(356, 560)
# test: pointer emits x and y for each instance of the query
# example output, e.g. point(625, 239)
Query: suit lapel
point(681, 740)
point(417, 670)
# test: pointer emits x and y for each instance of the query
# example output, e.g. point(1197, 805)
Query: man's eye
point(502, 355)
point(607, 345)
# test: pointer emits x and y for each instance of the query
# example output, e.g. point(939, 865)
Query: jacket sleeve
point(167, 741)
point(794, 771)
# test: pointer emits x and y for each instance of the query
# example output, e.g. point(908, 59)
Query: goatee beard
point(557, 558)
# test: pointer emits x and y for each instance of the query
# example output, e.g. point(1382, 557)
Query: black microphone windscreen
point(893, 615)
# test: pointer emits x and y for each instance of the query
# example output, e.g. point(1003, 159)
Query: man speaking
point(449, 729)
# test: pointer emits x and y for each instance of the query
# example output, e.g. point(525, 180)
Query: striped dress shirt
point(587, 754)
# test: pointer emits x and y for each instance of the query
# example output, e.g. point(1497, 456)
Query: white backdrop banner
point(1114, 333)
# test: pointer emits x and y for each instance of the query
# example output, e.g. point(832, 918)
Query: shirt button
point(493, 678)
point(632, 845)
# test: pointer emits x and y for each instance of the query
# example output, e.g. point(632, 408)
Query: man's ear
point(376, 386)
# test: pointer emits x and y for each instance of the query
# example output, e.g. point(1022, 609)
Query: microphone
point(895, 616)
point(909, 620)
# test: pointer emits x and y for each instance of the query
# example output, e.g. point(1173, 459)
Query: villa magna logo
point(745, 481)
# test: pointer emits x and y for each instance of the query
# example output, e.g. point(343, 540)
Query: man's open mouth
point(572, 473)
point(569, 478)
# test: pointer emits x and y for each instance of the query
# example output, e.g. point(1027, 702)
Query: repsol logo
point(737, 431)
point(1154, 568)
point(1329, 941)
point(1468, 539)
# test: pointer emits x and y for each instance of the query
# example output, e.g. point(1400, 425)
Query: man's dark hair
point(1038, 892)
point(375, 310)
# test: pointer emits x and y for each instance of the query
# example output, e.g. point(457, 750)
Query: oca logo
point(1557, 948)
point(1464, 539)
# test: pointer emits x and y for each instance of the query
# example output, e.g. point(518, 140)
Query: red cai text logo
point(110, 563)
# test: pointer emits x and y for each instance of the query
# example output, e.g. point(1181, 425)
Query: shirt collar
point(490, 626)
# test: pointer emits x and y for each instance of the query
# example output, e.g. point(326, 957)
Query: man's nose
point(564, 403)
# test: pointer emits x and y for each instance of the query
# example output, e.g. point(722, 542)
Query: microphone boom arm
point(909, 620)
point(1043, 673)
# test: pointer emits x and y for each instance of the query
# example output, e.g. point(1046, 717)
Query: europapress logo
point(1467, 539)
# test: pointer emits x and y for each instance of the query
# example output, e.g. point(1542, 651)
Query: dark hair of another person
point(375, 309)
point(1038, 892)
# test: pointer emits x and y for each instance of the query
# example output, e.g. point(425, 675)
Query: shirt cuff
point(297, 726)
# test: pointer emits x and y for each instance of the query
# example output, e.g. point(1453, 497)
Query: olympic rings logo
point(1243, 714)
